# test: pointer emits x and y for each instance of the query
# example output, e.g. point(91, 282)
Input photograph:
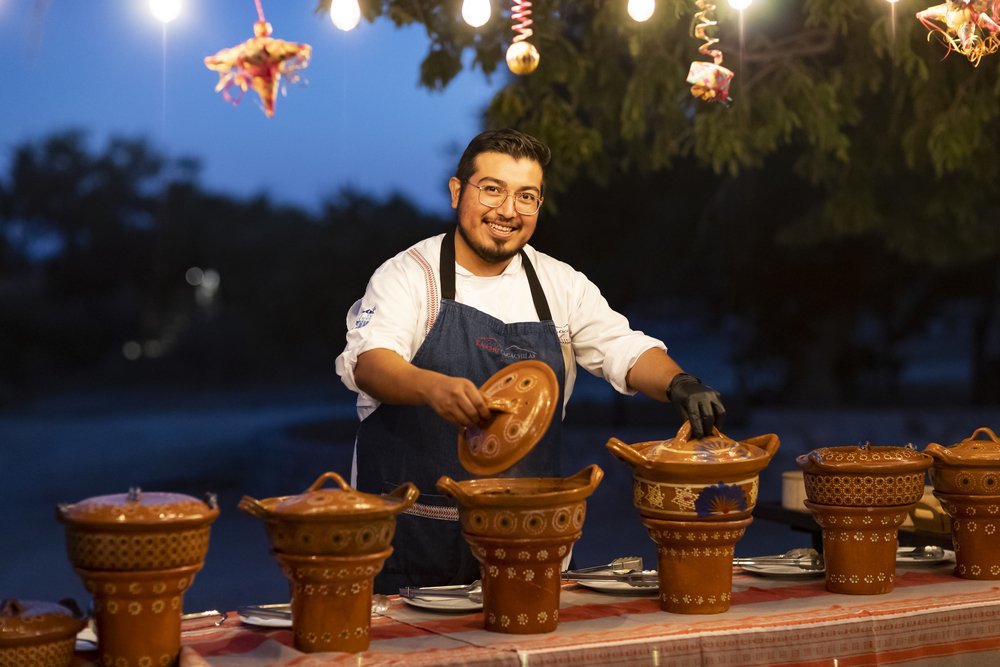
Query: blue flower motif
point(720, 499)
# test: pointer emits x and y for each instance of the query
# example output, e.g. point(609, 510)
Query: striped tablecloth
point(931, 619)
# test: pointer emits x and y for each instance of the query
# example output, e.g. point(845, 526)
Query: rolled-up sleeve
point(388, 316)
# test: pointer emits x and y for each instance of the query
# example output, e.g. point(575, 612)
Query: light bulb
point(740, 4)
point(476, 12)
point(641, 10)
point(165, 11)
point(345, 14)
point(892, 2)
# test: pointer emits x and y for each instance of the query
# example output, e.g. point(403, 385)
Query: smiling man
point(440, 318)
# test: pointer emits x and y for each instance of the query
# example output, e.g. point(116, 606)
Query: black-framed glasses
point(525, 203)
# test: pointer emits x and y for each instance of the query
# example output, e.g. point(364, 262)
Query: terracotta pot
point(864, 476)
point(969, 467)
point(714, 478)
point(520, 530)
point(331, 522)
point(331, 543)
point(137, 531)
point(975, 531)
point(137, 553)
point(331, 599)
point(39, 634)
point(859, 546)
point(522, 397)
point(695, 563)
point(138, 613)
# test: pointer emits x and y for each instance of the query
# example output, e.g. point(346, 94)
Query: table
point(930, 619)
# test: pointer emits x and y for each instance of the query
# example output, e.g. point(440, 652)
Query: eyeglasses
point(525, 203)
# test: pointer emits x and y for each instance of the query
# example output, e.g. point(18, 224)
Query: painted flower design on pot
point(720, 499)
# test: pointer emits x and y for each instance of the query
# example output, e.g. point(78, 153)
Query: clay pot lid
point(523, 398)
point(864, 458)
point(140, 508)
point(33, 622)
point(318, 503)
point(715, 448)
point(981, 451)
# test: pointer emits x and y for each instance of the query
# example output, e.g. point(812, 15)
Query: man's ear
point(455, 186)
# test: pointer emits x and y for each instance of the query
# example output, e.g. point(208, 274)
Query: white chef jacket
point(403, 297)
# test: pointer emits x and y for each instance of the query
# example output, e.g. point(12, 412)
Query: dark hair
point(507, 141)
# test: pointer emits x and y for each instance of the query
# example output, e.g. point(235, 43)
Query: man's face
point(489, 237)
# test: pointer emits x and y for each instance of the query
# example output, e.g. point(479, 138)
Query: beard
point(496, 252)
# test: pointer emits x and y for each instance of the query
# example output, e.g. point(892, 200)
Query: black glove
point(697, 403)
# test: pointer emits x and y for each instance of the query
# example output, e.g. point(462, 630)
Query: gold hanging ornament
point(522, 56)
point(709, 81)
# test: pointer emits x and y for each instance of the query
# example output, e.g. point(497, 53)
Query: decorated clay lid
point(139, 508)
point(864, 458)
point(685, 455)
point(320, 504)
point(523, 398)
point(981, 449)
point(26, 622)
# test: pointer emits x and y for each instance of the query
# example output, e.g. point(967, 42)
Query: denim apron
point(411, 443)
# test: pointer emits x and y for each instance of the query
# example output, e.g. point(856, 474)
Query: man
point(440, 318)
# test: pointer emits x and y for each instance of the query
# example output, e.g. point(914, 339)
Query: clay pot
point(520, 530)
point(331, 543)
point(137, 553)
point(695, 563)
point(970, 467)
point(859, 546)
point(859, 496)
point(975, 531)
point(40, 634)
point(864, 476)
point(714, 478)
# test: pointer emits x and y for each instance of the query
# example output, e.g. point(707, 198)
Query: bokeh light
point(641, 10)
point(476, 12)
point(165, 11)
point(345, 14)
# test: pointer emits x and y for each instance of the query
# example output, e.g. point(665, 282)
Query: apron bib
point(411, 443)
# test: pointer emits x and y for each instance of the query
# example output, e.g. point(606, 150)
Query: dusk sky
point(108, 67)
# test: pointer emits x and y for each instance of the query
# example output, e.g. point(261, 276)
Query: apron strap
point(447, 277)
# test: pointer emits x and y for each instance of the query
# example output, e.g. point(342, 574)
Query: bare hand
point(457, 400)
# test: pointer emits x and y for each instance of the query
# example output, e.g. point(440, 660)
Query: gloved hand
point(697, 403)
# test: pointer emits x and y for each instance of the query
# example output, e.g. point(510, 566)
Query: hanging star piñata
point(259, 63)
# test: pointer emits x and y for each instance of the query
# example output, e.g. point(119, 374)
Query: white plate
point(619, 587)
point(262, 622)
point(435, 603)
point(902, 559)
point(783, 571)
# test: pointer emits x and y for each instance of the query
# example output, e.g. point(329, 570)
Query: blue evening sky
point(108, 67)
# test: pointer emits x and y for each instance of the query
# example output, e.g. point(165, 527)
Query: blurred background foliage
point(837, 214)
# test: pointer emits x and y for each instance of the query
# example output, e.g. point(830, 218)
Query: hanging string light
point(165, 11)
point(522, 56)
point(476, 12)
point(345, 14)
point(641, 10)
